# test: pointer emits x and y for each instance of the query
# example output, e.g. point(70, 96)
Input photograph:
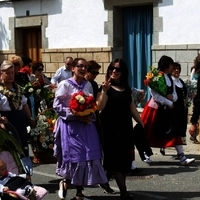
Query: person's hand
point(52, 86)
point(193, 129)
point(140, 96)
point(3, 120)
point(169, 96)
point(86, 119)
point(32, 123)
point(5, 189)
point(106, 85)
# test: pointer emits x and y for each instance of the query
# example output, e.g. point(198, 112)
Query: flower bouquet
point(156, 81)
point(82, 104)
point(41, 137)
point(37, 90)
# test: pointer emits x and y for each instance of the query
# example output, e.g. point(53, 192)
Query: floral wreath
point(14, 96)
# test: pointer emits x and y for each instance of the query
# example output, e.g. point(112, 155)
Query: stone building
point(140, 31)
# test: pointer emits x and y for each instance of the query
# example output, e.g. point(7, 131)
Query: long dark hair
point(124, 72)
point(164, 63)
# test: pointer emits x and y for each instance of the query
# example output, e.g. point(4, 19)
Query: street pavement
point(163, 179)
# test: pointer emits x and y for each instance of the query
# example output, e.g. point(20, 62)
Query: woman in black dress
point(117, 109)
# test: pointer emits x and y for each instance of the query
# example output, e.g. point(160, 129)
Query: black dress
point(181, 110)
point(117, 129)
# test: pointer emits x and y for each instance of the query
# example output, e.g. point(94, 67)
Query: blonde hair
point(16, 60)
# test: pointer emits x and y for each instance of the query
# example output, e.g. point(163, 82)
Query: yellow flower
point(149, 75)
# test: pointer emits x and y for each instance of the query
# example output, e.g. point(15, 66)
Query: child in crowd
point(15, 185)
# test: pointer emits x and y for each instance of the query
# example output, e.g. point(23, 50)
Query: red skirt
point(156, 120)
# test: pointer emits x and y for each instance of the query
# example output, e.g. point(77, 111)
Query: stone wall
point(54, 58)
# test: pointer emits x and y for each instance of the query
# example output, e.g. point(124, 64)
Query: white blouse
point(4, 104)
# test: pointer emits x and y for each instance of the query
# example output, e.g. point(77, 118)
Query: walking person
point(92, 72)
point(117, 108)
point(180, 105)
point(160, 117)
point(63, 72)
point(195, 72)
point(196, 111)
point(77, 145)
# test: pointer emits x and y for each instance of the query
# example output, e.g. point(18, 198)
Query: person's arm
point(196, 110)
point(102, 97)
point(55, 78)
point(27, 113)
point(135, 113)
point(161, 99)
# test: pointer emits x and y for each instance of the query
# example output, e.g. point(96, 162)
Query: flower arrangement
point(41, 137)
point(82, 104)
point(191, 86)
point(156, 81)
point(37, 90)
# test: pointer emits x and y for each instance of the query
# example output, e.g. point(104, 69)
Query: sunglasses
point(39, 69)
point(117, 69)
point(81, 66)
point(94, 73)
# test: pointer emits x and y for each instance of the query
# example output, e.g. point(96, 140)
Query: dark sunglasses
point(81, 66)
point(39, 69)
point(68, 64)
point(117, 69)
point(94, 73)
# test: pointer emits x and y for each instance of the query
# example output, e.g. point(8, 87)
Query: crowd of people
point(92, 148)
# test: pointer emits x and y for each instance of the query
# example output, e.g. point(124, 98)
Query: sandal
point(62, 192)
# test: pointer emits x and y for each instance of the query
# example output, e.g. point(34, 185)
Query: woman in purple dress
point(77, 145)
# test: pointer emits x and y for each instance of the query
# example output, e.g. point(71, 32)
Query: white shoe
point(62, 192)
point(187, 161)
point(148, 160)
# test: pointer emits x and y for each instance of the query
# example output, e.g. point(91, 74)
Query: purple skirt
point(78, 151)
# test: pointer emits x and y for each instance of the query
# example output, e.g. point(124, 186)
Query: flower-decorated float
point(41, 137)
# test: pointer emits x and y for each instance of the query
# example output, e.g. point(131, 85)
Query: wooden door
point(32, 43)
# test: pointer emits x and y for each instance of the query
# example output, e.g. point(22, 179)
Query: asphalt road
point(164, 179)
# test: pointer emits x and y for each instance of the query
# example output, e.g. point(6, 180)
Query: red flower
point(26, 70)
point(82, 104)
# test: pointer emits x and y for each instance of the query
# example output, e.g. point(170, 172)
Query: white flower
point(30, 90)
point(81, 100)
point(77, 97)
point(38, 91)
point(44, 145)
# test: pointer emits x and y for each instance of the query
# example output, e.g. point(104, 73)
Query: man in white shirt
point(63, 72)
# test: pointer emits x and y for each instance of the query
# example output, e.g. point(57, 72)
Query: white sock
point(145, 155)
point(179, 149)
point(20, 191)
point(133, 165)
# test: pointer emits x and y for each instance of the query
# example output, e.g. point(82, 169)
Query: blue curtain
point(138, 31)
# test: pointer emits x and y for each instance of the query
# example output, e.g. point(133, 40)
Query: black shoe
point(162, 151)
point(107, 189)
point(134, 171)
